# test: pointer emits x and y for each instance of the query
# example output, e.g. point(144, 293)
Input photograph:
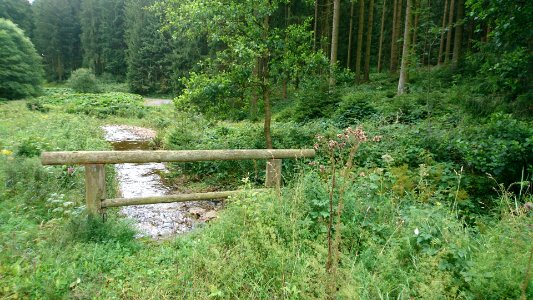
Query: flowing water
point(143, 180)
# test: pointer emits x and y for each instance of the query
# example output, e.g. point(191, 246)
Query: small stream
point(143, 180)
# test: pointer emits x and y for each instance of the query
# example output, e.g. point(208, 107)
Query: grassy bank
point(411, 223)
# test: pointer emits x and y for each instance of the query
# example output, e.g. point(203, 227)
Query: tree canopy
point(21, 70)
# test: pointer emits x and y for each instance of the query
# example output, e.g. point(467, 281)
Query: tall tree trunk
point(442, 32)
point(327, 42)
point(405, 51)
point(349, 52)
point(469, 30)
point(369, 40)
point(360, 40)
point(458, 39)
point(398, 33)
point(255, 94)
point(416, 14)
point(449, 33)
point(266, 87)
point(381, 34)
point(334, 40)
point(315, 27)
point(393, 34)
point(394, 43)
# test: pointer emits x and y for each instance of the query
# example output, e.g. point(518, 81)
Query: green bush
point(21, 72)
point(99, 105)
point(197, 134)
point(83, 81)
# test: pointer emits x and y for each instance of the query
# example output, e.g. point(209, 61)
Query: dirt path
point(156, 102)
point(143, 180)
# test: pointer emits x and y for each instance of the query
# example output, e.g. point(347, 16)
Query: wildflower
point(6, 152)
point(387, 158)
point(417, 232)
point(332, 144)
point(70, 170)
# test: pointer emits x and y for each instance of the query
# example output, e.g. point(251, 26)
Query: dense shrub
point(21, 72)
point(98, 105)
point(197, 134)
point(83, 81)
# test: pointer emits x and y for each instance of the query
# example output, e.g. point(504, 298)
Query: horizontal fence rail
point(95, 161)
point(120, 157)
point(173, 198)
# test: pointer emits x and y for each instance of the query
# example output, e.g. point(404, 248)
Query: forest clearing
point(415, 117)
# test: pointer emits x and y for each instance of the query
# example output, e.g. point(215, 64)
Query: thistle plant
point(340, 151)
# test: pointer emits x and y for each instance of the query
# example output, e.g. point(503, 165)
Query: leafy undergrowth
point(409, 226)
point(118, 104)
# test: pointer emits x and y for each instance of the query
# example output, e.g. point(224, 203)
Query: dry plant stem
point(330, 224)
point(527, 276)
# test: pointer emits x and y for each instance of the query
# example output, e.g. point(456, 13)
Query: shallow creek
point(143, 180)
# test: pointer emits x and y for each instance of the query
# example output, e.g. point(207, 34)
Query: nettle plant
point(338, 175)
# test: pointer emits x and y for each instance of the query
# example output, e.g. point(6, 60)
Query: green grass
point(402, 234)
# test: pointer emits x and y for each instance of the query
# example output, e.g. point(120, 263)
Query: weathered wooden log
point(118, 157)
point(94, 188)
point(273, 173)
point(172, 198)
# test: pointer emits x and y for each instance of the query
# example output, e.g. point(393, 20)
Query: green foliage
point(98, 105)
point(83, 81)
point(37, 106)
point(21, 73)
point(102, 36)
point(19, 12)
point(155, 60)
point(197, 133)
point(57, 36)
point(353, 109)
point(504, 60)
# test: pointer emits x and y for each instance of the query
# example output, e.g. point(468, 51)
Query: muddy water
point(143, 180)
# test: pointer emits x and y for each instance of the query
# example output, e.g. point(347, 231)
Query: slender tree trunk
point(469, 30)
point(369, 40)
point(327, 45)
point(334, 40)
point(349, 52)
point(416, 14)
point(398, 33)
point(458, 39)
point(315, 27)
point(393, 35)
point(449, 33)
point(360, 40)
point(255, 94)
point(381, 34)
point(442, 33)
point(266, 87)
point(405, 51)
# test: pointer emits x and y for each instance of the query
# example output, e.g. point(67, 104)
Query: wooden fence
point(95, 161)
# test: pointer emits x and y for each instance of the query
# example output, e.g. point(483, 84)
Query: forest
point(420, 113)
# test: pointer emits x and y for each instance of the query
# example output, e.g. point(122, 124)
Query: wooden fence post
point(273, 173)
point(94, 187)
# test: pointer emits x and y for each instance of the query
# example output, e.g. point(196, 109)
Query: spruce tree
point(20, 66)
